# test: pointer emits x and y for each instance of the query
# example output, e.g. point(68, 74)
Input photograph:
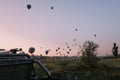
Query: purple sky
point(44, 28)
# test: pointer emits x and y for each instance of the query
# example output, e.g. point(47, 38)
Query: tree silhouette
point(89, 53)
point(115, 50)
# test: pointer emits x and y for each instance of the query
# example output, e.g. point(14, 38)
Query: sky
point(44, 28)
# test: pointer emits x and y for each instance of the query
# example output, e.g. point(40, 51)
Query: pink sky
point(42, 27)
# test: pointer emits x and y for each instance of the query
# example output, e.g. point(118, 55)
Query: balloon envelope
point(29, 6)
point(74, 39)
point(58, 48)
point(95, 35)
point(31, 50)
point(76, 29)
point(47, 51)
point(52, 7)
point(66, 43)
point(68, 52)
point(68, 47)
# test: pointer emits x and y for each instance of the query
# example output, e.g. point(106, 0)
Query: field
point(74, 69)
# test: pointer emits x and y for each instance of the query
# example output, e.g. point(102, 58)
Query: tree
point(115, 50)
point(89, 53)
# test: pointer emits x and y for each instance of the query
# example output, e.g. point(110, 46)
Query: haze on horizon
point(44, 28)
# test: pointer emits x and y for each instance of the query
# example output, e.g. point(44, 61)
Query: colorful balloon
point(31, 50)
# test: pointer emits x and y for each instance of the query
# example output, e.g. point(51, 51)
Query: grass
point(111, 62)
point(107, 69)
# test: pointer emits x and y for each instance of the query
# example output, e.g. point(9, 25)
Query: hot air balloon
point(68, 52)
point(78, 53)
point(52, 7)
point(68, 46)
point(69, 49)
point(60, 53)
point(76, 29)
point(75, 44)
point(29, 6)
point(58, 48)
point(74, 39)
point(66, 43)
point(47, 51)
point(31, 50)
point(95, 35)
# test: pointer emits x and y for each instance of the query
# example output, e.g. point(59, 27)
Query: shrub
point(89, 53)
